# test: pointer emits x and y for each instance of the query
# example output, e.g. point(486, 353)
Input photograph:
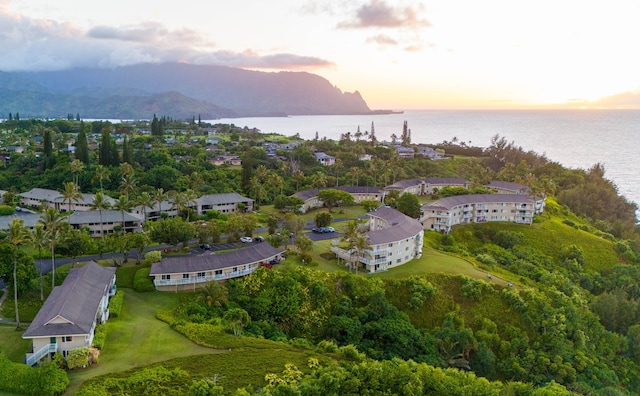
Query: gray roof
point(307, 194)
point(360, 189)
point(76, 300)
point(322, 155)
point(402, 184)
point(108, 216)
point(55, 196)
point(224, 198)
point(41, 193)
point(509, 186)
point(400, 226)
point(185, 264)
point(451, 202)
point(163, 206)
point(30, 219)
point(449, 181)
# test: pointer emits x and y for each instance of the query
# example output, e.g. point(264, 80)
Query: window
point(185, 276)
point(218, 272)
point(200, 275)
point(166, 277)
point(398, 260)
point(67, 339)
point(235, 269)
point(391, 245)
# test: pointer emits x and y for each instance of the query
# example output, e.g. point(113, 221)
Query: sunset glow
point(397, 54)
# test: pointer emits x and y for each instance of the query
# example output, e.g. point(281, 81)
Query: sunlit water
point(574, 138)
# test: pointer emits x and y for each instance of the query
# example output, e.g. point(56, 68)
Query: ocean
point(573, 138)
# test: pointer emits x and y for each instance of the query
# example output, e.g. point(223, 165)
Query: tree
point(409, 204)
point(104, 157)
point(238, 319)
point(82, 147)
point(304, 244)
point(70, 194)
point(17, 234)
point(77, 167)
point(100, 203)
point(49, 160)
point(51, 219)
point(172, 231)
point(258, 191)
point(123, 205)
point(127, 151)
point(101, 173)
point(355, 174)
point(139, 241)
point(74, 243)
point(214, 294)
point(145, 200)
point(128, 185)
point(369, 204)
point(333, 197)
point(298, 176)
point(318, 180)
point(323, 219)
point(39, 238)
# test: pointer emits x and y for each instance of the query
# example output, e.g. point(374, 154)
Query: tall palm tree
point(298, 176)
point(158, 197)
point(355, 174)
point(129, 184)
point(360, 244)
point(100, 203)
point(39, 238)
point(17, 234)
point(77, 167)
point(276, 182)
point(257, 188)
point(337, 165)
point(51, 219)
point(123, 205)
point(319, 179)
point(70, 194)
point(145, 200)
point(101, 173)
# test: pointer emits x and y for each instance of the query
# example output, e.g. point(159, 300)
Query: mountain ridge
point(219, 90)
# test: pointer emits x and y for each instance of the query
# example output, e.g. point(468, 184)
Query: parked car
point(329, 229)
point(205, 246)
point(246, 239)
point(259, 239)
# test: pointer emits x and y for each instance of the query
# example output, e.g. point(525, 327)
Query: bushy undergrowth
point(19, 378)
point(115, 304)
point(142, 282)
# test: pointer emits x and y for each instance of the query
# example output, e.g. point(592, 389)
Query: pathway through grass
point(137, 338)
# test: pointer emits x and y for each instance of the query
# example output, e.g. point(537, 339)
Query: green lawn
point(137, 338)
point(11, 343)
point(433, 261)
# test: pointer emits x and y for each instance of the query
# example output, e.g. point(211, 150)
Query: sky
point(398, 54)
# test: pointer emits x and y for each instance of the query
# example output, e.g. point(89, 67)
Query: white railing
point(203, 279)
point(42, 352)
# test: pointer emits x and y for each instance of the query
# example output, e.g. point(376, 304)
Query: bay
point(573, 138)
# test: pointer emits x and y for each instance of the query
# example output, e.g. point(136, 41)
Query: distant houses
point(69, 316)
point(42, 197)
point(324, 158)
point(360, 193)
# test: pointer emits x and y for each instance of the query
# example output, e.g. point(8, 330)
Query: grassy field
point(433, 261)
point(137, 338)
point(11, 343)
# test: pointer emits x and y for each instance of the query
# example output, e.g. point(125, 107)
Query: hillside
point(214, 90)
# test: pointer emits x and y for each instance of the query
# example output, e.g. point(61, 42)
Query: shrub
point(420, 289)
point(487, 259)
point(100, 336)
point(153, 256)
point(6, 210)
point(142, 282)
point(78, 357)
point(115, 304)
point(48, 379)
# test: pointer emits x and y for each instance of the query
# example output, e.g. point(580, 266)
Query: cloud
point(252, 60)
point(29, 44)
point(378, 14)
point(382, 39)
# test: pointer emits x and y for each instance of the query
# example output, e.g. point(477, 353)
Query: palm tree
point(39, 238)
point(145, 200)
point(276, 182)
point(360, 244)
point(70, 194)
point(337, 165)
point(77, 167)
point(17, 234)
point(101, 173)
point(123, 205)
point(257, 187)
point(298, 176)
point(355, 174)
point(318, 180)
point(129, 184)
point(51, 219)
point(100, 203)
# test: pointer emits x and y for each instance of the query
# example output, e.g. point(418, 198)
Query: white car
point(246, 240)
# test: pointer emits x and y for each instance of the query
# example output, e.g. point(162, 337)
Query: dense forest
point(571, 322)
